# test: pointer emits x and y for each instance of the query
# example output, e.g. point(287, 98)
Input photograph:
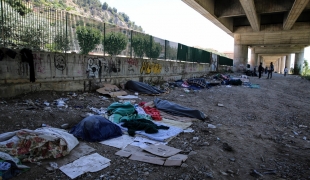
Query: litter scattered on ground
point(220, 105)
point(128, 97)
point(90, 163)
point(188, 130)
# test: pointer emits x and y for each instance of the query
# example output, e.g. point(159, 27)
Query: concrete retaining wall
point(74, 72)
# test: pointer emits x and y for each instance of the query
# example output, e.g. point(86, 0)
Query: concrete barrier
point(74, 72)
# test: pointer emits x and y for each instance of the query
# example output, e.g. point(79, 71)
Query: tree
point(105, 6)
point(138, 44)
point(115, 43)
point(88, 38)
point(114, 10)
point(305, 69)
point(18, 6)
point(61, 42)
point(126, 17)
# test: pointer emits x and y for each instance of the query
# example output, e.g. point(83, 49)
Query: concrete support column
point(275, 65)
point(240, 57)
point(299, 60)
point(254, 60)
point(283, 59)
point(288, 61)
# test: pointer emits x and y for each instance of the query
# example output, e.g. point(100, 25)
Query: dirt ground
point(267, 128)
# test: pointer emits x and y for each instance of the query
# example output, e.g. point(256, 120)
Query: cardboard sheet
point(147, 159)
point(111, 90)
point(119, 142)
point(128, 151)
point(90, 163)
point(144, 142)
point(175, 160)
point(162, 150)
point(80, 150)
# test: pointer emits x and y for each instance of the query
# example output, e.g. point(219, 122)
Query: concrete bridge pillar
point(288, 61)
point(240, 57)
point(283, 59)
point(299, 60)
point(254, 60)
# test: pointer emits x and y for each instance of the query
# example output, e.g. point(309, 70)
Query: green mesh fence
point(225, 61)
point(182, 53)
point(171, 50)
point(158, 48)
point(27, 24)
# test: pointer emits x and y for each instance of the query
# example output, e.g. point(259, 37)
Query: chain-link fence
point(23, 25)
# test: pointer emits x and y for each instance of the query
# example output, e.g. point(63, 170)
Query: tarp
point(178, 110)
point(96, 128)
point(142, 88)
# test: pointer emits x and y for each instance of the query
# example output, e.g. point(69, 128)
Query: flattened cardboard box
point(175, 160)
point(129, 150)
point(147, 158)
point(162, 150)
point(111, 90)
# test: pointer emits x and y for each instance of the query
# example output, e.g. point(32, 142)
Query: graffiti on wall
point(93, 67)
point(150, 67)
point(111, 65)
point(167, 69)
point(96, 66)
point(132, 64)
point(39, 67)
point(60, 62)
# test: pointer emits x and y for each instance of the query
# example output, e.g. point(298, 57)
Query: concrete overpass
point(273, 29)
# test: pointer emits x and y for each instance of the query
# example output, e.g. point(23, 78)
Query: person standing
point(260, 70)
point(266, 69)
point(285, 71)
point(271, 69)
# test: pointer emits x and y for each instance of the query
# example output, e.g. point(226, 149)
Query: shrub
point(88, 38)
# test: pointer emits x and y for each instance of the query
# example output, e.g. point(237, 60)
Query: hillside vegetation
point(92, 9)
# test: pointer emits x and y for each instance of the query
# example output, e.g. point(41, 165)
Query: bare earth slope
point(261, 125)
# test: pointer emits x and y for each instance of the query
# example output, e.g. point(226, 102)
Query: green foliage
point(138, 44)
point(61, 42)
point(114, 10)
point(33, 37)
point(143, 44)
point(88, 38)
point(305, 69)
point(18, 6)
point(171, 53)
point(115, 43)
point(155, 50)
point(105, 6)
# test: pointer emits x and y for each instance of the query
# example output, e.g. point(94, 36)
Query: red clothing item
point(153, 112)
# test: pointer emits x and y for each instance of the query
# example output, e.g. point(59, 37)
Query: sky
point(173, 20)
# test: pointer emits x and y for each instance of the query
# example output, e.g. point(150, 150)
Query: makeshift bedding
point(35, 145)
point(96, 128)
point(162, 134)
point(178, 110)
point(142, 88)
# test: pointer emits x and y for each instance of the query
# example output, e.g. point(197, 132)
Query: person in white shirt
point(285, 71)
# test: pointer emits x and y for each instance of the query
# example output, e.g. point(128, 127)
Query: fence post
point(2, 24)
point(166, 49)
point(66, 40)
point(131, 44)
point(103, 39)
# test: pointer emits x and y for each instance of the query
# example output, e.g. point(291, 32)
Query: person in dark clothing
point(260, 70)
point(266, 69)
point(271, 69)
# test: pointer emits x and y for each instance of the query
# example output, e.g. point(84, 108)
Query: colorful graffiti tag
point(149, 67)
